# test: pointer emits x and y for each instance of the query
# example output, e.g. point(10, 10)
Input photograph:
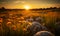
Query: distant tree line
point(38, 8)
point(3, 9)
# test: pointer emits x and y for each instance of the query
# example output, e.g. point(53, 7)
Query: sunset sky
point(19, 4)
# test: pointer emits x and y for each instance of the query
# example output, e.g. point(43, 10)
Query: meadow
point(15, 22)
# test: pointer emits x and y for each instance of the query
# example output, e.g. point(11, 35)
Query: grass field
point(13, 23)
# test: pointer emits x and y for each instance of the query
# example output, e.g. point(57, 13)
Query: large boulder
point(43, 33)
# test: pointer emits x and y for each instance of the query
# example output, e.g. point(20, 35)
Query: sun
point(27, 7)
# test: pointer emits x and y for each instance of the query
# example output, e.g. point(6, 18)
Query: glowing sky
point(33, 3)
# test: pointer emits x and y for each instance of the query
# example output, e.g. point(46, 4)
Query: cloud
point(18, 1)
point(21, 1)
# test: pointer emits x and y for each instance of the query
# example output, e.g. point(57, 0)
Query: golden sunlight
point(27, 7)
